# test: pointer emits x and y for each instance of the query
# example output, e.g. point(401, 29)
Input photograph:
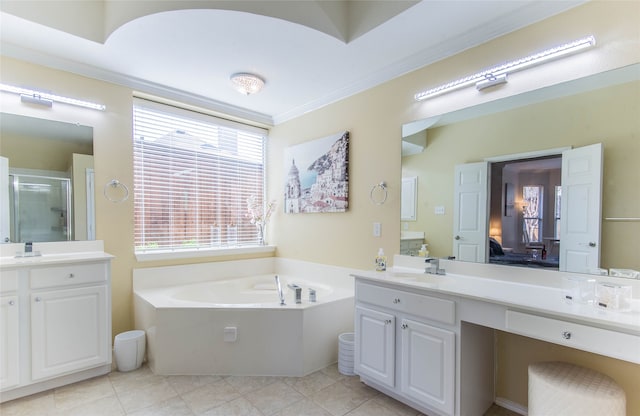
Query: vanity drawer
point(432, 308)
point(601, 341)
point(67, 275)
point(8, 281)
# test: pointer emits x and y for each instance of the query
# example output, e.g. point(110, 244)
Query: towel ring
point(381, 190)
point(116, 184)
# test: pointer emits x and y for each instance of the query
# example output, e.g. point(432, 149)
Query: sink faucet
point(434, 266)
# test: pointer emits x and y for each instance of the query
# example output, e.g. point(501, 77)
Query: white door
point(470, 209)
point(4, 200)
point(68, 330)
point(374, 353)
point(9, 342)
point(428, 365)
point(580, 211)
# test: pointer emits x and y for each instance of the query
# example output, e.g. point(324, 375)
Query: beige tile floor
point(141, 393)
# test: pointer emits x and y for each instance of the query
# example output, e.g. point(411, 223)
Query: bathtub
point(225, 318)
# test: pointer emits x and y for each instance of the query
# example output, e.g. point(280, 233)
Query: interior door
point(470, 212)
point(581, 209)
point(4, 200)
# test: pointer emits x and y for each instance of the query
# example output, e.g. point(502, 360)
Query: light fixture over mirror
point(246, 83)
point(498, 74)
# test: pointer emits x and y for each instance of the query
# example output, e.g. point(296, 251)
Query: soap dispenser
point(381, 261)
point(423, 252)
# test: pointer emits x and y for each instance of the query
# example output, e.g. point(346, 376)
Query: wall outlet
point(439, 210)
point(377, 229)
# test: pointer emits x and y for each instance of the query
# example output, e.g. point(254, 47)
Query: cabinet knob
point(458, 237)
point(396, 300)
point(71, 276)
point(387, 321)
point(592, 244)
point(12, 302)
point(566, 335)
point(405, 326)
point(38, 299)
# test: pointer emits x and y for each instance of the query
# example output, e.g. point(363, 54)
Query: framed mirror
point(597, 109)
point(47, 177)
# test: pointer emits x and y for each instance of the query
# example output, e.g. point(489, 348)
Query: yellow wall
point(373, 118)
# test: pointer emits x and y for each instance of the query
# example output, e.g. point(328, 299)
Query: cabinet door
point(9, 342)
point(68, 330)
point(375, 345)
point(428, 365)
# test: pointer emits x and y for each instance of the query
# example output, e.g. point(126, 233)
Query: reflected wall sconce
point(498, 74)
point(47, 99)
point(246, 83)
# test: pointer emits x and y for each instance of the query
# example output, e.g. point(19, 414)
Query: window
point(193, 175)
point(532, 213)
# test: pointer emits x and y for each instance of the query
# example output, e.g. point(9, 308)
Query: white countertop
point(53, 253)
point(544, 297)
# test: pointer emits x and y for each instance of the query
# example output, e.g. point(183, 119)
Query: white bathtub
point(225, 317)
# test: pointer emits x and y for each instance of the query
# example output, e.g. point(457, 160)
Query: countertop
point(545, 297)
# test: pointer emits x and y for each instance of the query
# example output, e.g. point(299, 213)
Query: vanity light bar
point(498, 71)
point(47, 99)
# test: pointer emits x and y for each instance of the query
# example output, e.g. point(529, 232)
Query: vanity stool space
point(56, 317)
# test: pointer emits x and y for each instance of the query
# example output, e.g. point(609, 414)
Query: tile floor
point(141, 393)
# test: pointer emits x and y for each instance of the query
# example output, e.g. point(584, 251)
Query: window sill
point(210, 252)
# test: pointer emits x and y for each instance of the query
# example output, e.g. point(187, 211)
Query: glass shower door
point(40, 208)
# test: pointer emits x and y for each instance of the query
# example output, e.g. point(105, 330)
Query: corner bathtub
point(225, 318)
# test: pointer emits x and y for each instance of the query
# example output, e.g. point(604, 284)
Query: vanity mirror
point(598, 109)
point(47, 180)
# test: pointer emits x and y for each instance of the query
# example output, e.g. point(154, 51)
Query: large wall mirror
point(522, 214)
point(47, 180)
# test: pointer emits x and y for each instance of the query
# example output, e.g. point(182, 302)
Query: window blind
point(193, 175)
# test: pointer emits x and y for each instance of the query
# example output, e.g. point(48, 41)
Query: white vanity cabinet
point(405, 345)
point(69, 319)
point(9, 332)
point(55, 323)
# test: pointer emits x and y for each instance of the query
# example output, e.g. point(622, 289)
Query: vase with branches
point(259, 214)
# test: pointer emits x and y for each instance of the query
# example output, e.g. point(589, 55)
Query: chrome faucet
point(434, 266)
point(280, 292)
point(298, 291)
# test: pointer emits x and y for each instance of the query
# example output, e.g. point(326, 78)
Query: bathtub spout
point(280, 292)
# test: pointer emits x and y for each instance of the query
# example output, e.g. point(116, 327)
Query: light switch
point(439, 210)
point(377, 229)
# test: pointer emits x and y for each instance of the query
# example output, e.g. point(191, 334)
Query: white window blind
point(193, 174)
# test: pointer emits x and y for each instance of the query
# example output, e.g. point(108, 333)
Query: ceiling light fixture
point(498, 74)
point(47, 99)
point(246, 83)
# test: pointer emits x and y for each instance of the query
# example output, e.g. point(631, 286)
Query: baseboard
point(513, 406)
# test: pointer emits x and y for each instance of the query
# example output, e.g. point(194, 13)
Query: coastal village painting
point(318, 175)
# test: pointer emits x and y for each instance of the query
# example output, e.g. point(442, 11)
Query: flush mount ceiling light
point(47, 99)
point(498, 74)
point(246, 83)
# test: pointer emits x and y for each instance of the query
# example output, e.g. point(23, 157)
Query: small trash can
point(345, 353)
point(129, 350)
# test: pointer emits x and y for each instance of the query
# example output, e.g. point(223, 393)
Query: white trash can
point(129, 350)
point(345, 353)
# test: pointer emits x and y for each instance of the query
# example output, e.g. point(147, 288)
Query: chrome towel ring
point(378, 194)
point(118, 188)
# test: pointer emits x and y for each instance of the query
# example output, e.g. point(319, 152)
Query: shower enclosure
point(40, 208)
